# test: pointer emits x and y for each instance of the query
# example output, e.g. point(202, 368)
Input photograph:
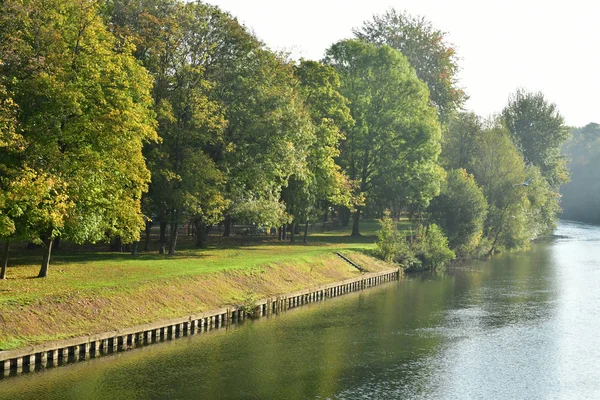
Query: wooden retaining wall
point(62, 352)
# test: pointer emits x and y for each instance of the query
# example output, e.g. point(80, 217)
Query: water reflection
point(517, 326)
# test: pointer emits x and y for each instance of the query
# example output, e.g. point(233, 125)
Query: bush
point(460, 210)
point(430, 248)
point(389, 238)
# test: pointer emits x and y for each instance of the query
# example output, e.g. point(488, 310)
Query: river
point(519, 326)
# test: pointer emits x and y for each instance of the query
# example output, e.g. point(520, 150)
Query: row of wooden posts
point(78, 349)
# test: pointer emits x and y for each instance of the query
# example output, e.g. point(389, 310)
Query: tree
point(84, 111)
point(392, 149)
point(459, 140)
point(538, 130)
point(324, 184)
point(460, 211)
point(427, 51)
point(498, 166)
point(388, 238)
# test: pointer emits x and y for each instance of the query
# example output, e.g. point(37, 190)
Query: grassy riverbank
point(91, 291)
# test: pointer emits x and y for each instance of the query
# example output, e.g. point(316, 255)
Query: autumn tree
point(84, 110)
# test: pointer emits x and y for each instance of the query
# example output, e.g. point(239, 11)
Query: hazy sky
point(547, 45)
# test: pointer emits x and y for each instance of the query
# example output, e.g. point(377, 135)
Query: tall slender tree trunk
point(147, 239)
point(173, 235)
point(5, 259)
point(292, 232)
point(228, 222)
point(162, 241)
point(46, 259)
point(355, 223)
point(134, 248)
point(305, 232)
point(284, 232)
point(345, 216)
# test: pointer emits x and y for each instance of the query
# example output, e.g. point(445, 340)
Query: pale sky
point(547, 45)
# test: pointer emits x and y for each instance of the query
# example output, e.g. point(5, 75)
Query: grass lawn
point(90, 291)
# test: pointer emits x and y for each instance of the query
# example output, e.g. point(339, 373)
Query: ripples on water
point(520, 326)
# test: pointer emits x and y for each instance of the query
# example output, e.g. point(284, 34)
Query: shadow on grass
point(90, 253)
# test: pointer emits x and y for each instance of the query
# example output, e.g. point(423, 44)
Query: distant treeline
point(581, 196)
point(115, 114)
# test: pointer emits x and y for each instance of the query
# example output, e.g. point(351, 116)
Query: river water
point(520, 326)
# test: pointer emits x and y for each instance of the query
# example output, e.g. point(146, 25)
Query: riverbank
point(90, 293)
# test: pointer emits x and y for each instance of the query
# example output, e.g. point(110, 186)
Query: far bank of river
point(518, 326)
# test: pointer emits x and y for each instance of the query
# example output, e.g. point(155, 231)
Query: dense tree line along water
point(520, 325)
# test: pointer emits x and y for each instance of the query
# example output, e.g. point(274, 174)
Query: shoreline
point(64, 352)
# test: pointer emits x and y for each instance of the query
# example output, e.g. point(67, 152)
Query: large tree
point(324, 184)
point(84, 112)
point(539, 131)
point(427, 51)
point(459, 140)
point(392, 149)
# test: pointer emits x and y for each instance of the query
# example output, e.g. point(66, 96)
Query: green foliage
point(84, 110)
point(324, 183)
point(392, 149)
point(459, 140)
point(428, 52)
point(430, 248)
point(539, 131)
point(460, 211)
point(388, 238)
point(497, 165)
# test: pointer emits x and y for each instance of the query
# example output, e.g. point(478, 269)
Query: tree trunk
point(306, 232)
point(292, 232)
point(201, 232)
point(345, 217)
point(148, 230)
point(173, 238)
point(227, 223)
point(5, 259)
point(117, 245)
point(326, 215)
point(134, 248)
point(56, 244)
point(355, 223)
point(284, 232)
point(162, 242)
point(46, 260)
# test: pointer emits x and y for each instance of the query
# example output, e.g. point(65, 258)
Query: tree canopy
point(392, 149)
point(427, 50)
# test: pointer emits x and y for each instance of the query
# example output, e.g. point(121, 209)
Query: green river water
point(519, 326)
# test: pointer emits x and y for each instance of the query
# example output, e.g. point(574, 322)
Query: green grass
point(74, 269)
point(86, 281)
